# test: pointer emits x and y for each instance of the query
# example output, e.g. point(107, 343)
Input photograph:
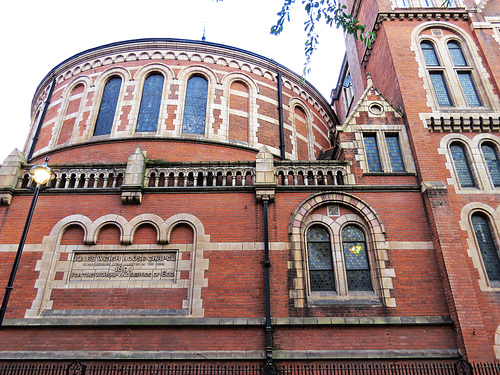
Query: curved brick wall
point(242, 102)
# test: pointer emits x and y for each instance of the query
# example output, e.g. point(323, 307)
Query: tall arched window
point(491, 158)
point(149, 110)
point(320, 259)
point(195, 108)
point(462, 165)
point(436, 74)
point(357, 266)
point(108, 105)
point(464, 74)
point(487, 246)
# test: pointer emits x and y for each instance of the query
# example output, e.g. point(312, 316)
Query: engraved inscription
point(123, 266)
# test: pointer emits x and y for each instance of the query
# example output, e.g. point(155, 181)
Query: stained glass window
point(107, 109)
point(395, 155)
point(487, 246)
point(491, 158)
point(429, 54)
point(469, 89)
point(372, 154)
point(320, 259)
point(150, 103)
point(195, 108)
point(440, 89)
point(356, 259)
point(456, 54)
point(462, 165)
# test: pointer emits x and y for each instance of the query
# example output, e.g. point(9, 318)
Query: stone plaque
point(123, 266)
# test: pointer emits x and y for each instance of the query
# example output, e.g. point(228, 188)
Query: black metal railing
point(78, 368)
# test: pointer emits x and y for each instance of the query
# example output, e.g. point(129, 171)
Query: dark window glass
point(107, 109)
point(469, 89)
point(462, 166)
point(429, 54)
point(395, 155)
point(195, 108)
point(487, 247)
point(356, 259)
point(150, 103)
point(456, 54)
point(320, 259)
point(372, 154)
point(491, 157)
point(440, 89)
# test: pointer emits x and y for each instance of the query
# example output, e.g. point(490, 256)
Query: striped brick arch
point(363, 215)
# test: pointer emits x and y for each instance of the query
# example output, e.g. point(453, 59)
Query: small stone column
point(134, 178)
point(265, 181)
point(9, 175)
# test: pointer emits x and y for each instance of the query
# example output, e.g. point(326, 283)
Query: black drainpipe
point(280, 114)
point(268, 365)
point(42, 118)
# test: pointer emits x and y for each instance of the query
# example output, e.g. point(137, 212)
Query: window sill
point(332, 298)
point(389, 173)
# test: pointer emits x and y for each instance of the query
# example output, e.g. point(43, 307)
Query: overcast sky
point(37, 35)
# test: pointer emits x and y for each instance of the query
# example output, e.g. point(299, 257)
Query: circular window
point(376, 109)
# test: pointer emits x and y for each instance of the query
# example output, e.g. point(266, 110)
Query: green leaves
point(331, 13)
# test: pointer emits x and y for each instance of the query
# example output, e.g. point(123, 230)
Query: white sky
point(37, 35)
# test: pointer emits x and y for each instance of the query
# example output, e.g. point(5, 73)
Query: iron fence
point(78, 368)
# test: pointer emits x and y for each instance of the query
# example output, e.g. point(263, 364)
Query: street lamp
point(40, 174)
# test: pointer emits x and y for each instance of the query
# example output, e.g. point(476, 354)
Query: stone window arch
point(305, 224)
point(482, 223)
point(449, 62)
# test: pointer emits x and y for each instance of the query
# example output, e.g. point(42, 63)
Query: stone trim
point(201, 355)
point(472, 249)
point(120, 320)
point(232, 354)
point(368, 354)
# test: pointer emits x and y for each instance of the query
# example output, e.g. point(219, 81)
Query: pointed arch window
point(491, 157)
point(462, 165)
point(195, 107)
point(149, 110)
point(107, 109)
point(356, 259)
point(487, 246)
point(319, 252)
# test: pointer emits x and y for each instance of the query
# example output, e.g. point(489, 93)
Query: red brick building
point(181, 164)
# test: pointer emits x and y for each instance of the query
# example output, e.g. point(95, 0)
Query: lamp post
point(41, 174)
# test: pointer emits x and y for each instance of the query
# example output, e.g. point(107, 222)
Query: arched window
point(108, 105)
point(487, 246)
point(356, 259)
point(429, 54)
point(436, 74)
point(491, 158)
point(462, 165)
point(464, 76)
point(149, 110)
point(320, 259)
point(195, 107)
